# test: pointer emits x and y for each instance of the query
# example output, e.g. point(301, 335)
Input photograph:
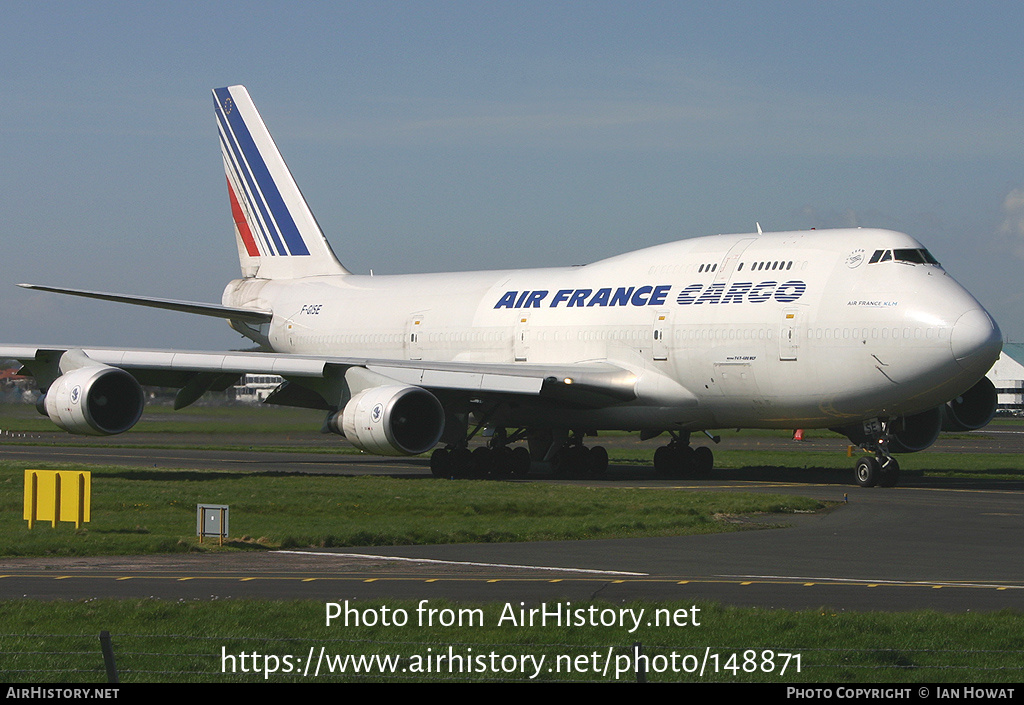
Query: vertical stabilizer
point(276, 233)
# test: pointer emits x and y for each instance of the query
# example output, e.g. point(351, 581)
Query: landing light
point(567, 380)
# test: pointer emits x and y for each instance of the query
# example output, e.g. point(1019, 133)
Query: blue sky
point(430, 136)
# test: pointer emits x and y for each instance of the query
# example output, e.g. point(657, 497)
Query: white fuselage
point(758, 330)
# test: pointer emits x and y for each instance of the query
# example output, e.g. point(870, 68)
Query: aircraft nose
point(976, 340)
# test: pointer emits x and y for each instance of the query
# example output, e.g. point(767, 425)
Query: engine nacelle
point(972, 409)
point(97, 400)
point(390, 420)
point(907, 434)
point(910, 434)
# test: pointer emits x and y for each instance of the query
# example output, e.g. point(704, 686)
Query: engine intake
point(97, 400)
point(390, 420)
point(910, 434)
point(972, 409)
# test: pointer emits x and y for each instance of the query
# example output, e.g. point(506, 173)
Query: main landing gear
point(575, 460)
point(495, 460)
point(680, 459)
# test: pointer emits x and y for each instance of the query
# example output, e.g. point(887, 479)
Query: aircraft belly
point(623, 418)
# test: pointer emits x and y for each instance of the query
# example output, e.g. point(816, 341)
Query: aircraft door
point(661, 331)
point(789, 335)
point(413, 333)
point(521, 343)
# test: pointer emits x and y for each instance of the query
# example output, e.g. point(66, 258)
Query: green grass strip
point(148, 510)
point(203, 641)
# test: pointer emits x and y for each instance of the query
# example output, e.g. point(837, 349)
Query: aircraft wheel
point(663, 457)
point(597, 462)
point(484, 462)
point(579, 464)
point(502, 462)
point(890, 474)
point(703, 461)
point(441, 463)
point(867, 471)
point(685, 459)
point(519, 462)
point(461, 462)
point(675, 460)
point(561, 464)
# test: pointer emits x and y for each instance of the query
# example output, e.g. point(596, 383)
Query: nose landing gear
point(881, 469)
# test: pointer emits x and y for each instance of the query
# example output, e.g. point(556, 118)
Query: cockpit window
point(911, 256)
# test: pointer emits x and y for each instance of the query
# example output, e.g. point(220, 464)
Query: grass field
point(145, 510)
point(157, 641)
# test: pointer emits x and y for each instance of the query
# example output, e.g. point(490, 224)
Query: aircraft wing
point(587, 384)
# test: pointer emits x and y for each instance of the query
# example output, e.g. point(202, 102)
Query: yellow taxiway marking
point(724, 580)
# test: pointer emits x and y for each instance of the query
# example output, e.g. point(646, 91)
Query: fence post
point(108, 657)
point(641, 665)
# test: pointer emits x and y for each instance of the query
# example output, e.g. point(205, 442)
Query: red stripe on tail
point(242, 224)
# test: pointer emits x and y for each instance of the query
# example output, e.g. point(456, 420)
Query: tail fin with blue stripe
point(276, 233)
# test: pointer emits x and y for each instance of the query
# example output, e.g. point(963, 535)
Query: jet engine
point(972, 409)
point(907, 434)
point(98, 400)
point(390, 420)
point(910, 434)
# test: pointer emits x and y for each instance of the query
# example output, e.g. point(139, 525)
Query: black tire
point(664, 461)
point(441, 463)
point(561, 463)
point(461, 462)
point(483, 462)
point(501, 462)
point(867, 472)
point(702, 461)
point(520, 462)
point(597, 462)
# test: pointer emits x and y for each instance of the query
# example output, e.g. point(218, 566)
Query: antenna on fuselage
point(758, 228)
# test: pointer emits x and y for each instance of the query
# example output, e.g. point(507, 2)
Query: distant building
point(1008, 377)
point(254, 389)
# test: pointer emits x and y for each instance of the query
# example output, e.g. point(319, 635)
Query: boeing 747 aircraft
point(857, 330)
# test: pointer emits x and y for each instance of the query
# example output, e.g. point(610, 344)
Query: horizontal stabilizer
point(237, 314)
